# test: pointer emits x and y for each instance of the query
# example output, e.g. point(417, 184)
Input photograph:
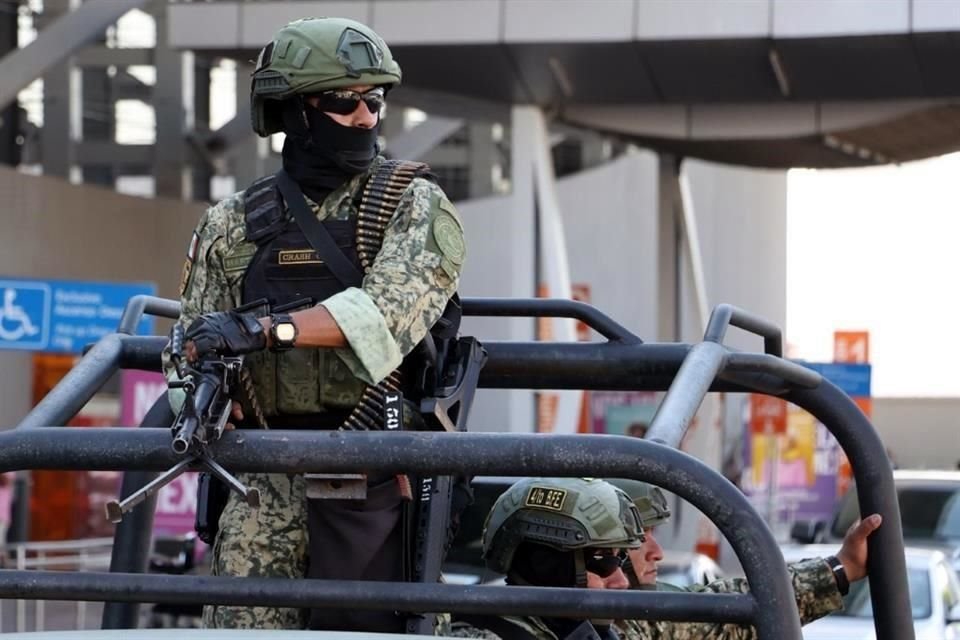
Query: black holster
point(212, 496)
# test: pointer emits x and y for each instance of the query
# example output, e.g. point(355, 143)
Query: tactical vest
point(285, 269)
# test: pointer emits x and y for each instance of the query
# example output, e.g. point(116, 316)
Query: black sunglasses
point(345, 101)
point(604, 562)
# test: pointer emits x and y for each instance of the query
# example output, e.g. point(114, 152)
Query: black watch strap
point(839, 574)
point(281, 336)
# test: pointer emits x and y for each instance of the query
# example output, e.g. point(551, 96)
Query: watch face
point(286, 332)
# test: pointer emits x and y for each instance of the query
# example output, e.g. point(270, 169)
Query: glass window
point(941, 580)
point(949, 525)
point(926, 512)
point(921, 508)
point(857, 603)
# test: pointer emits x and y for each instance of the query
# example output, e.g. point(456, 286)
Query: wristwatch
point(839, 574)
point(283, 332)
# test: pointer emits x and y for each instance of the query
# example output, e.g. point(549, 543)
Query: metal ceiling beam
point(100, 56)
point(67, 34)
point(104, 152)
point(418, 141)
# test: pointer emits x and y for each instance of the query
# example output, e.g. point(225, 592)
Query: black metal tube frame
point(772, 604)
point(625, 363)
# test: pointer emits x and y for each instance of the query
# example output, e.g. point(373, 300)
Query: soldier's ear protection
point(266, 115)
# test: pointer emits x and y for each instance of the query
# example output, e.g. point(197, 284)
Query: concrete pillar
point(483, 155)
point(9, 116)
point(248, 158)
point(170, 170)
point(200, 188)
point(668, 251)
point(58, 148)
point(97, 121)
point(594, 150)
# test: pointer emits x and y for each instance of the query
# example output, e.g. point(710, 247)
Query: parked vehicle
point(683, 569)
point(929, 510)
point(464, 564)
point(934, 598)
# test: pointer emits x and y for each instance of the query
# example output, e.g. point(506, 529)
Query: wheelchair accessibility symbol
point(23, 312)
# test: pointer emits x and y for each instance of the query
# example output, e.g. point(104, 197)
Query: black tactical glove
point(226, 333)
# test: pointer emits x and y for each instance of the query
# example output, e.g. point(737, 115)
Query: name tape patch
point(552, 499)
point(298, 256)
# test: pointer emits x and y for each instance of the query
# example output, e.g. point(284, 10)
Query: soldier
point(818, 583)
point(322, 82)
point(534, 546)
point(556, 532)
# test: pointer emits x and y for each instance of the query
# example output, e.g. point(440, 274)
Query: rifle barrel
point(186, 433)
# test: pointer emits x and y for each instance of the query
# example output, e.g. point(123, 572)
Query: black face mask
point(542, 566)
point(350, 148)
point(322, 155)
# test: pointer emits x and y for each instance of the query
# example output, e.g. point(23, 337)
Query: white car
point(684, 569)
point(934, 599)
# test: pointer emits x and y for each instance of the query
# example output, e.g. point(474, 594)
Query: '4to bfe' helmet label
point(542, 498)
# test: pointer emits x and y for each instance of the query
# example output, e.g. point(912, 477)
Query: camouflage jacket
point(401, 297)
point(813, 583)
point(534, 627)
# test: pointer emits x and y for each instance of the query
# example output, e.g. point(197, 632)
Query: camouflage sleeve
point(203, 282)
point(408, 285)
point(463, 630)
point(814, 586)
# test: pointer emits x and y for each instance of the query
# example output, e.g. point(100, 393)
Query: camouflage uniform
point(814, 586)
point(813, 583)
point(405, 292)
point(531, 625)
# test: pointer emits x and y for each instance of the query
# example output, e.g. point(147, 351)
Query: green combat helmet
point(649, 500)
point(312, 55)
point(566, 514)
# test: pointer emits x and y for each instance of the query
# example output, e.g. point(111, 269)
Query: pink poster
point(176, 502)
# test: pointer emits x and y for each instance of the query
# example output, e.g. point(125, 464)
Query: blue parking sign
point(25, 308)
point(63, 315)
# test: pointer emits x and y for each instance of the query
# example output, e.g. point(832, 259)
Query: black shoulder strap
point(500, 626)
point(316, 234)
point(263, 210)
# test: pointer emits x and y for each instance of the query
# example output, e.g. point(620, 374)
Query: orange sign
point(851, 347)
point(767, 414)
point(581, 293)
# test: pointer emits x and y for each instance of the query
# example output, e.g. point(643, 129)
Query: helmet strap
point(580, 566)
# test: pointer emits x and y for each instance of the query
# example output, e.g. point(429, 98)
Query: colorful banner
point(176, 502)
point(801, 473)
point(622, 412)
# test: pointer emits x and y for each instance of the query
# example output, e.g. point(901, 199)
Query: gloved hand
point(224, 333)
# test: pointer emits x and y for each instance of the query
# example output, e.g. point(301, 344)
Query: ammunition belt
point(378, 203)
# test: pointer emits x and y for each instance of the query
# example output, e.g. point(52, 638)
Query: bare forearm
point(315, 328)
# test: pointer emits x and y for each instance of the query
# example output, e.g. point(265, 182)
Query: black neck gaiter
point(322, 155)
point(542, 566)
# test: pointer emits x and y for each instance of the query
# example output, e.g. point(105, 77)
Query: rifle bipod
point(116, 508)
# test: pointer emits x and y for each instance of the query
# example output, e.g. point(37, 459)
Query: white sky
point(876, 249)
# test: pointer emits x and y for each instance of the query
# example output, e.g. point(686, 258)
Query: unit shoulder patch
point(449, 238)
point(188, 263)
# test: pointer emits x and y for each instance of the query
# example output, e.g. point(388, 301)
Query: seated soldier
point(818, 583)
point(557, 532)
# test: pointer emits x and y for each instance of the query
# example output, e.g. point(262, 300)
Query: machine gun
point(209, 385)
